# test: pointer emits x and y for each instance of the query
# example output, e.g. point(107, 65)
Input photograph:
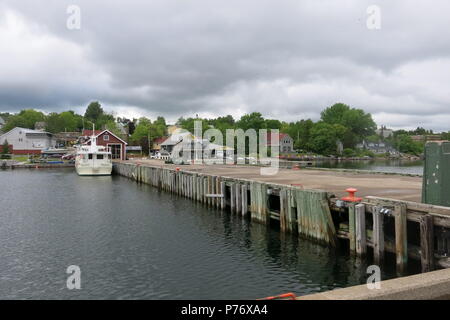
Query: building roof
point(88, 133)
point(177, 136)
point(160, 140)
point(28, 131)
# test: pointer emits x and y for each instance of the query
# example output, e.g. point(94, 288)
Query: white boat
point(93, 160)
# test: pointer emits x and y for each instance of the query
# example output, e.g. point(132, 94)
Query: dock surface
point(368, 184)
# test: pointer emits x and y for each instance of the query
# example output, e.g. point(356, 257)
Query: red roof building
point(286, 143)
point(108, 139)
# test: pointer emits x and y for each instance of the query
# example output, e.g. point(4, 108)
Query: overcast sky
point(286, 59)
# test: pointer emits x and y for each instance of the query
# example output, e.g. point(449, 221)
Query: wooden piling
point(238, 198)
point(283, 210)
point(351, 227)
point(401, 240)
point(222, 200)
point(244, 205)
point(427, 243)
point(232, 198)
point(378, 235)
point(360, 229)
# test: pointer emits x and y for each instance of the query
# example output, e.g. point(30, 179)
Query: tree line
point(338, 124)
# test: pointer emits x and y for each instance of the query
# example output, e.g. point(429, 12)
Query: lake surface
point(391, 166)
point(133, 242)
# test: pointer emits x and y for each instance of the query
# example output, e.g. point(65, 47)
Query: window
point(106, 137)
point(90, 156)
point(99, 157)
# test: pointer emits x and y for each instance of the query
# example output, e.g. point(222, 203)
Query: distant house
point(182, 140)
point(428, 137)
point(108, 139)
point(40, 125)
point(377, 147)
point(286, 143)
point(28, 141)
point(2, 123)
point(383, 132)
point(156, 145)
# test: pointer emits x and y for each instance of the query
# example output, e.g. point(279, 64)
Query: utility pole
point(148, 137)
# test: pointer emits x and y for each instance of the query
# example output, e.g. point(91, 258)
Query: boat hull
point(94, 171)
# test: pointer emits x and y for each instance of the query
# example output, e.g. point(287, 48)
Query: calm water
point(393, 166)
point(133, 242)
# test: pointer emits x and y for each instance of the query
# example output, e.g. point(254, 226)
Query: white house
point(28, 141)
point(2, 123)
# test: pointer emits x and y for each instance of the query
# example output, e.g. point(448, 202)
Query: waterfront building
point(384, 132)
point(286, 143)
point(28, 141)
point(108, 139)
point(156, 144)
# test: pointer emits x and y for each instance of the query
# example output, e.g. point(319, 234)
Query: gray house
point(377, 147)
point(285, 142)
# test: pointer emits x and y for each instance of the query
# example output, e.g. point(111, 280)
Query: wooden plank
point(427, 243)
point(401, 238)
point(360, 229)
point(410, 205)
point(378, 235)
point(351, 227)
point(244, 206)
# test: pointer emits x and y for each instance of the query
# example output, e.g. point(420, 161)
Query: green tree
point(359, 123)
point(405, 144)
point(25, 119)
point(65, 121)
point(5, 147)
point(253, 120)
point(93, 111)
point(324, 137)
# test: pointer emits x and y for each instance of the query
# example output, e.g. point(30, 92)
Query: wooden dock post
point(291, 212)
point(232, 197)
point(238, 198)
point(283, 210)
point(244, 206)
point(378, 235)
point(218, 192)
point(351, 227)
point(401, 239)
point(427, 243)
point(223, 190)
point(360, 228)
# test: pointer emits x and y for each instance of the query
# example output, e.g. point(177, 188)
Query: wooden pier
point(376, 225)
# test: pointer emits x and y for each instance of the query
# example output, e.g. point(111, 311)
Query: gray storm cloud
point(286, 59)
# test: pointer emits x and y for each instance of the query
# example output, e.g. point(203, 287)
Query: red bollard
point(351, 195)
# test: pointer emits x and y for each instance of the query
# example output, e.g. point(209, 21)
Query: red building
point(110, 140)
